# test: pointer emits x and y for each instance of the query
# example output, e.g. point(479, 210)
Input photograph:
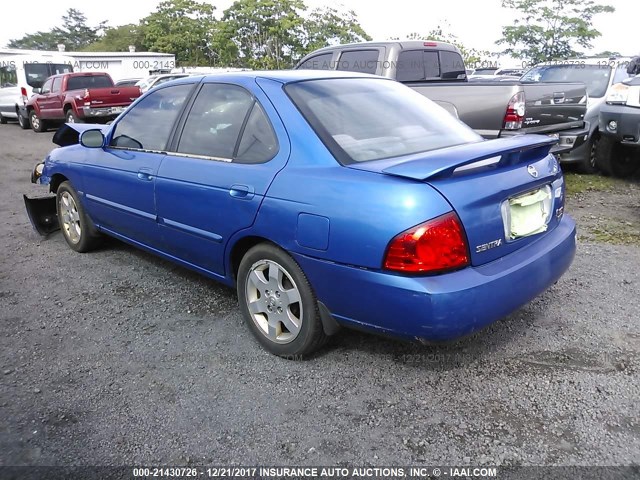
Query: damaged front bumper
point(42, 211)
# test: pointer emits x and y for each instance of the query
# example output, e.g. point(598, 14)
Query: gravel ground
point(117, 357)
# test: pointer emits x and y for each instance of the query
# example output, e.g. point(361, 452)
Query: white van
point(19, 75)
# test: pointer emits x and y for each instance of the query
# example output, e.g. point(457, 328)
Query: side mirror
point(37, 90)
point(92, 139)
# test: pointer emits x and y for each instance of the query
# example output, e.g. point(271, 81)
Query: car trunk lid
point(498, 188)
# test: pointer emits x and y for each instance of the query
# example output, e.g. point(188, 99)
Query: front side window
point(217, 120)
point(8, 76)
point(398, 120)
point(148, 124)
point(57, 83)
point(46, 88)
point(363, 61)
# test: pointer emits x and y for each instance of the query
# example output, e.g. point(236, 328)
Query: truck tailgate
point(113, 96)
point(554, 106)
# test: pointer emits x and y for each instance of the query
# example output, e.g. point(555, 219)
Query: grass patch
point(615, 232)
point(577, 183)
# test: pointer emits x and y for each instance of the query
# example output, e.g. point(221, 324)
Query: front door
point(120, 181)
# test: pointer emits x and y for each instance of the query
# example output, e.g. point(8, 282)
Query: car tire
point(23, 121)
point(3, 120)
point(278, 303)
point(616, 160)
point(588, 165)
point(71, 117)
point(77, 230)
point(37, 124)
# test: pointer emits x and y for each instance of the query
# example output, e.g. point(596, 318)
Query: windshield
point(595, 77)
point(362, 119)
point(37, 73)
point(89, 81)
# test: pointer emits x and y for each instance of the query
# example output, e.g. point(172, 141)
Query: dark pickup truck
point(78, 97)
point(492, 109)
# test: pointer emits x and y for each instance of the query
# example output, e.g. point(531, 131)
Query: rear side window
point(148, 124)
point(8, 76)
point(319, 62)
point(419, 65)
point(258, 143)
point(215, 121)
point(363, 61)
point(89, 81)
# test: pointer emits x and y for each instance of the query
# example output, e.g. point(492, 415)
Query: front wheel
point(74, 223)
point(615, 159)
point(37, 124)
point(278, 303)
point(3, 120)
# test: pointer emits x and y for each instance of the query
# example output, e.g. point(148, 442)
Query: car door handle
point(241, 191)
point(145, 174)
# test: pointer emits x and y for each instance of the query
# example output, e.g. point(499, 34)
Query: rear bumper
point(103, 112)
point(568, 140)
point(627, 123)
point(443, 307)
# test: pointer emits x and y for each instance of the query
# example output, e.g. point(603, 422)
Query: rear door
point(120, 180)
point(224, 160)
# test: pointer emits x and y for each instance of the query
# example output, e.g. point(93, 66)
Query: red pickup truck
point(78, 97)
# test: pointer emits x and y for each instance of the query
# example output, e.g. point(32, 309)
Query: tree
point(267, 33)
point(328, 26)
point(118, 39)
point(550, 29)
point(75, 34)
point(185, 28)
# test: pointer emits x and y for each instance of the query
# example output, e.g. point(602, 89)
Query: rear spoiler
point(444, 162)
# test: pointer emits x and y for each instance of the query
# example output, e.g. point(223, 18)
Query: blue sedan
point(327, 199)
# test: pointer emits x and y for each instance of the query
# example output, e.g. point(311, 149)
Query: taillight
point(515, 112)
point(435, 246)
point(23, 93)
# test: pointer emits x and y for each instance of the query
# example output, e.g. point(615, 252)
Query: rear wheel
point(23, 121)
point(277, 302)
point(72, 117)
point(37, 124)
point(3, 120)
point(615, 159)
point(75, 225)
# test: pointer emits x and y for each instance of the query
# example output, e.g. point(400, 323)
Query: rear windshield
point(89, 81)
point(595, 77)
point(37, 73)
point(420, 65)
point(362, 119)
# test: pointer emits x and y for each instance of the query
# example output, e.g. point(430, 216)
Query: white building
point(118, 64)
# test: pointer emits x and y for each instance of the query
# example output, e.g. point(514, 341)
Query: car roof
point(289, 76)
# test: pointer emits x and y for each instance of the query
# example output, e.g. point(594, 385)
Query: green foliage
point(550, 29)
point(75, 34)
point(267, 33)
point(118, 39)
point(182, 27)
point(327, 26)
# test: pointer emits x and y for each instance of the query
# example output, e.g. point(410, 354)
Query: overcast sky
point(477, 23)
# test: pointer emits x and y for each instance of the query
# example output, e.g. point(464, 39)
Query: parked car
point(618, 151)
point(155, 80)
point(127, 82)
point(599, 75)
point(78, 97)
point(402, 221)
point(20, 75)
point(493, 109)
